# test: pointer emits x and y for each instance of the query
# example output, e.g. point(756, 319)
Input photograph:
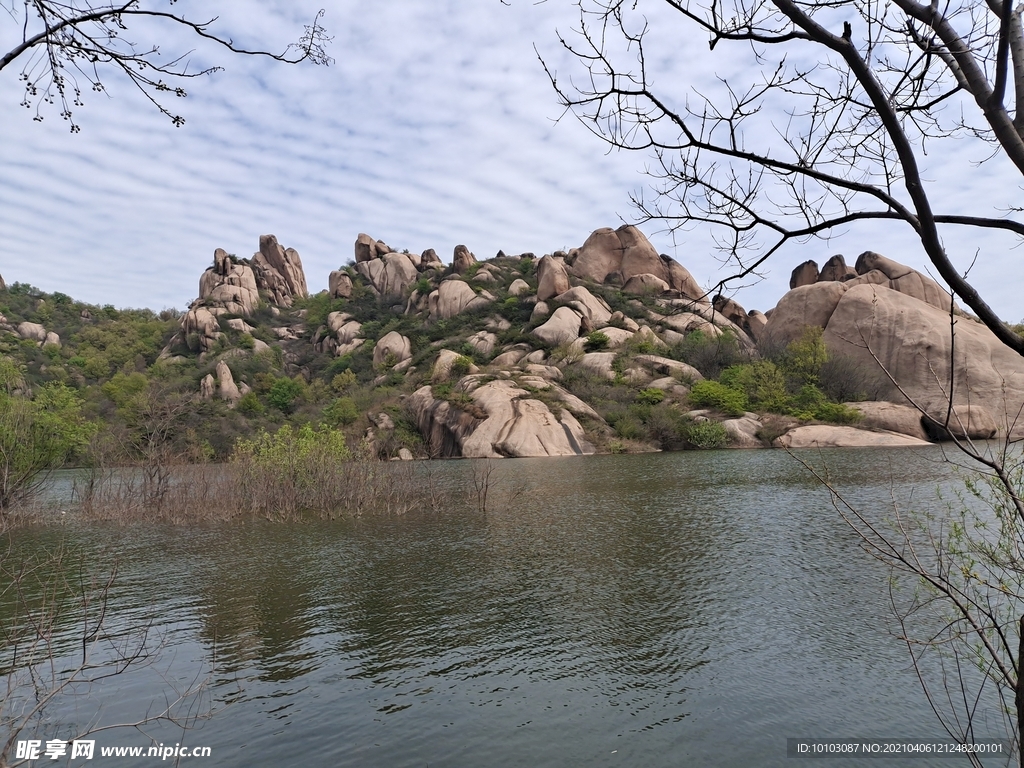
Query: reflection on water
point(657, 610)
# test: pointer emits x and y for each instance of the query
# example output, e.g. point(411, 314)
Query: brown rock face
point(339, 285)
point(552, 278)
point(230, 285)
point(835, 270)
point(617, 255)
point(911, 339)
point(366, 247)
point(805, 305)
point(805, 274)
point(731, 310)
point(429, 259)
point(973, 421)
point(279, 272)
point(462, 259)
point(905, 279)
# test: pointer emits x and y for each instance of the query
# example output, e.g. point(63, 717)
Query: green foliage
point(804, 357)
point(250, 405)
point(341, 412)
point(714, 394)
point(283, 394)
point(650, 396)
point(762, 383)
point(460, 367)
point(709, 355)
point(706, 435)
point(36, 436)
point(596, 341)
point(423, 286)
point(343, 381)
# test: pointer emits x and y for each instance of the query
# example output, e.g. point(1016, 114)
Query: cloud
point(436, 126)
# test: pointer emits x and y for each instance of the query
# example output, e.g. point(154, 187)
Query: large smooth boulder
point(32, 331)
point(591, 307)
point(731, 310)
point(963, 421)
point(910, 339)
point(339, 285)
point(800, 307)
point(645, 284)
point(828, 436)
point(562, 327)
point(226, 387)
point(452, 298)
point(552, 278)
point(518, 287)
point(366, 248)
point(200, 329)
point(483, 342)
point(616, 255)
point(891, 417)
point(462, 260)
point(905, 279)
point(836, 269)
point(805, 274)
point(398, 274)
point(393, 348)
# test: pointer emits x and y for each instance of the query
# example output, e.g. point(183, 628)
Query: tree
point(36, 436)
point(829, 124)
point(67, 47)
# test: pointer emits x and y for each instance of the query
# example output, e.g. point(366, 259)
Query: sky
point(435, 126)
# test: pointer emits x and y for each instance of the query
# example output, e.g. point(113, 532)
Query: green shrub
point(705, 435)
point(343, 381)
point(342, 411)
point(713, 394)
point(763, 384)
point(804, 357)
point(629, 428)
point(596, 341)
point(650, 396)
point(250, 405)
point(709, 355)
point(283, 393)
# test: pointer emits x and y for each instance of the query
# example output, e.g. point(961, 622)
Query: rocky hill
point(607, 347)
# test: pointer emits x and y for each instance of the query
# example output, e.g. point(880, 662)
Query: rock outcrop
point(339, 285)
point(618, 255)
point(226, 387)
point(279, 272)
point(393, 348)
point(229, 285)
point(828, 436)
point(452, 298)
point(552, 278)
point(506, 422)
point(462, 260)
point(805, 274)
point(562, 327)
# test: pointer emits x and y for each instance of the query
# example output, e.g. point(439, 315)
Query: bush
point(713, 394)
point(709, 355)
point(343, 381)
point(596, 341)
point(804, 357)
point(342, 411)
point(283, 393)
point(650, 396)
point(763, 384)
point(705, 435)
point(460, 367)
point(250, 405)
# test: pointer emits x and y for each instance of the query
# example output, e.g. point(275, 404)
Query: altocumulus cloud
point(436, 126)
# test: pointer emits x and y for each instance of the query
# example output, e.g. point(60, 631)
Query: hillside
point(609, 347)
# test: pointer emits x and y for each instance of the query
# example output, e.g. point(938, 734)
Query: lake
point(668, 609)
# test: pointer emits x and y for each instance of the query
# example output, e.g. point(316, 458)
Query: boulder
point(430, 260)
point(518, 287)
point(743, 431)
point(366, 248)
point(966, 421)
point(52, 339)
point(619, 320)
point(483, 342)
point(592, 308)
point(617, 255)
point(279, 272)
point(617, 336)
point(670, 367)
point(552, 278)
point(756, 322)
point(226, 387)
point(229, 284)
point(442, 369)
point(506, 423)
point(32, 331)
point(800, 307)
point(599, 363)
point(911, 340)
point(540, 309)
point(238, 324)
point(207, 387)
point(394, 347)
point(891, 417)
point(404, 454)
point(398, 274)
point(835, 270)
point(462, 260)
point(805, 274)
point(904, 279)
point(3, 285)
point(731, 310)
point(452, 298)
point(562, 327)
point(339, 284)
point(200, 329)
point(645, 285)
point(828, 436)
